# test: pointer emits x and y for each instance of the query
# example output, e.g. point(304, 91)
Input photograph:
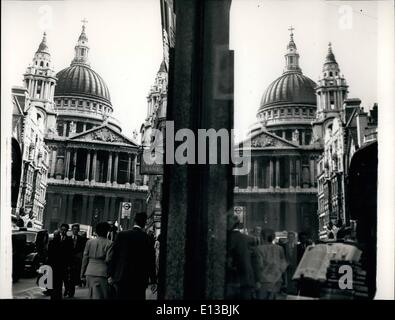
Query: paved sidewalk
point(27, 289)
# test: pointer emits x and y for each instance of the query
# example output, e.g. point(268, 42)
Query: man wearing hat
point(132, 266)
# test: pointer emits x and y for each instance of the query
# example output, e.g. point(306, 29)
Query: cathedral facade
point(89, 166)
point(280, 191)
point(93, 166)
point(301, 149)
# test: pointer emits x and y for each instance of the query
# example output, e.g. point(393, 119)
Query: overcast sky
point(126, 45)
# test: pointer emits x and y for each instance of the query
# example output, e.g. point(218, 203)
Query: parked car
point(36, 247)
point(18, 255)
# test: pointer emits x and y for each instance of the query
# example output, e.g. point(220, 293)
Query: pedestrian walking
point(269, 264)
point(76, 259)
point(239, 273)
point(133, 268)
point(59, 258)
point(290, 249)
point(96, 258)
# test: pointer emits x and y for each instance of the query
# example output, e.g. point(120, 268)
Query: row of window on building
point(83, 104)
point(290, 112)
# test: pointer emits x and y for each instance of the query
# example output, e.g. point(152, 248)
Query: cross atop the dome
point(291, 29)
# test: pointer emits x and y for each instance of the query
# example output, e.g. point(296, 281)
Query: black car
point(18, 255)
point(35, 249)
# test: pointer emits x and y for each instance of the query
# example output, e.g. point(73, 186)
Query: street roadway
point(26, 288)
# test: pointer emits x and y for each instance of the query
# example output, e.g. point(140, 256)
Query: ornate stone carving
point(106, 136)
point(295, 136)
point(73, 127)
point(263, 141)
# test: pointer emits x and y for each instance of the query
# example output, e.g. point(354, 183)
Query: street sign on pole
point(126, 210)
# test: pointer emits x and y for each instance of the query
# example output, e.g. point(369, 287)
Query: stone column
point(109, 168)
point(283, 134)
point(74, 163)
point(42, 92)
point(84, 217)
point(128, 170)
point(277, 172)
point(64, 128)
point(328, 100)
point(298, 174)
point(47, 90)
point(256, 173)
point(94, 166)
point(250, 177)
point(88, 166)
point(53, 164)
point(106, 203)
point(67, 165)
point(303, 138)
point(35, 89)
point(271, 174)
point(84, 127)
point(116, 168)
point(29, 86)
point(312, 176)
point(291, 172)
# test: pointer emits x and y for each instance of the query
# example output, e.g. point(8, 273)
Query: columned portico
point(67, 165)
point(291, 172)
point(109, 168)
point(94, 167)
point(271, 173)
point(298, 173)
point(128, 170)
point(255, 165)
point(87, 166)
point(116, 169)
point(277, 173)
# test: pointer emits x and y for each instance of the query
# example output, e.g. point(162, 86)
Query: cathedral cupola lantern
point(292, 55)
point(82, 48)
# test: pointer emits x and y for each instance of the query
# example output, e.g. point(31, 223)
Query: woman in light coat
point(97, 255)
point(269, 264)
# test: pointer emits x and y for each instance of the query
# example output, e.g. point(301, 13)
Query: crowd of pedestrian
point(259, 266)
point(113, 265)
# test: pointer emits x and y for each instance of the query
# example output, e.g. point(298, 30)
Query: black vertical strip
point(195, 260)
point(166, 186)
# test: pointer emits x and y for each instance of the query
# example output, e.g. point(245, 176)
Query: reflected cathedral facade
point(301, 147)
point(280, 191)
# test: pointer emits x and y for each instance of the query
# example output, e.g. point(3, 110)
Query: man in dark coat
point(76, 259)
point(239, 273)
point(132, 266)
point(59, 258)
